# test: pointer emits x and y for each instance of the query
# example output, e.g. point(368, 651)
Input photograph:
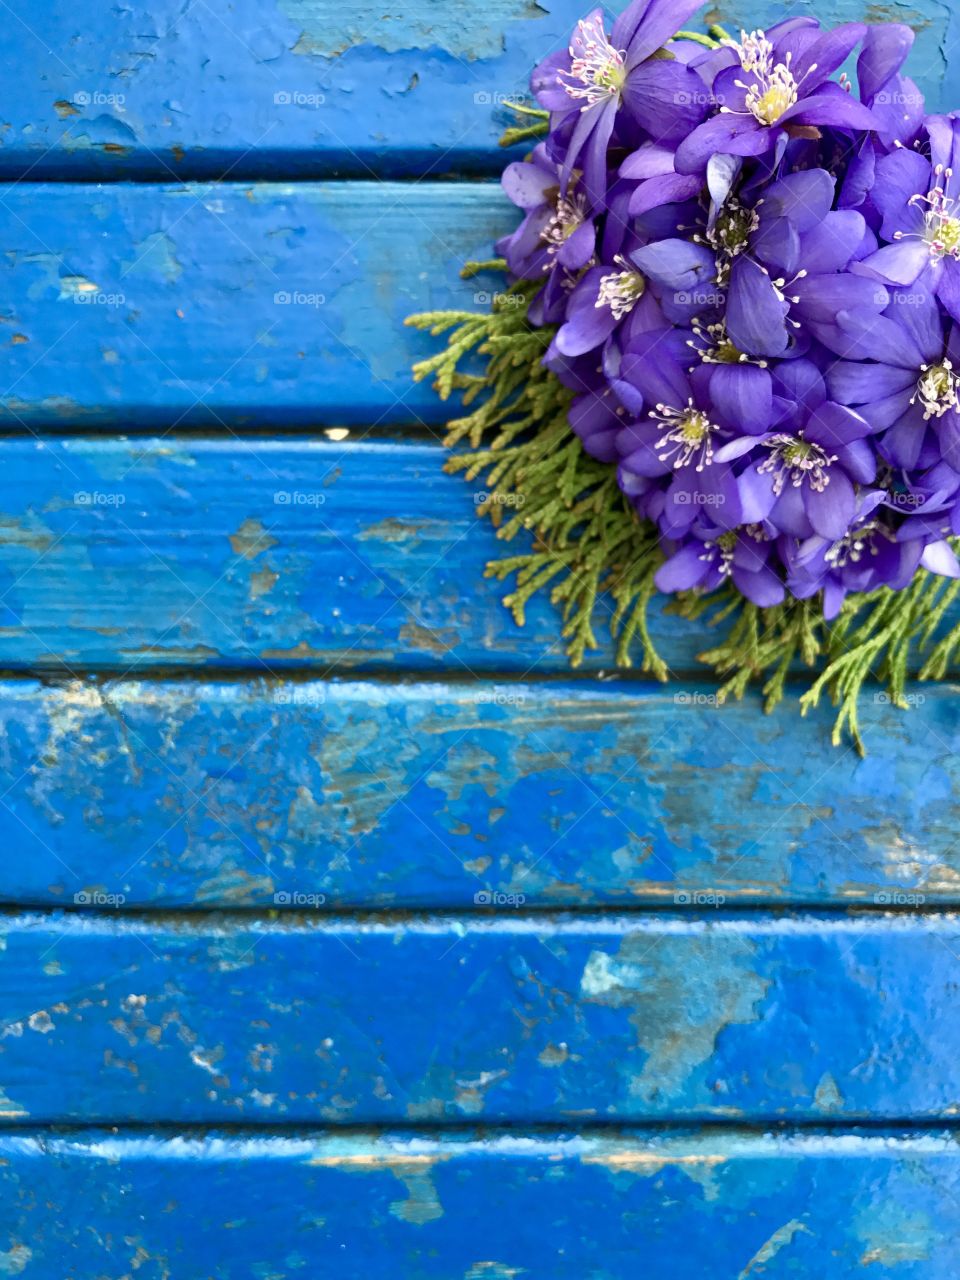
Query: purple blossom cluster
point(754, 273)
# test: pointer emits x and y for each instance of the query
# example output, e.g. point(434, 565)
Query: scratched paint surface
point(274, 301)
point(429, 795)
point(198, 304)
point(545, 1020)
point(481, 1209)
point(268, 553)
point(310, 86)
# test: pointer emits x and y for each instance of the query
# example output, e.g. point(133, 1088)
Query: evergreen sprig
point(591, 552)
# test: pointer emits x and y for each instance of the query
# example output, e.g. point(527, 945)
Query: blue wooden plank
point(181, 305)
point(514, 1019)
point(459, 796)
point(308, 86)
point(288, 87)
point(276, 554)
point(412, 1208)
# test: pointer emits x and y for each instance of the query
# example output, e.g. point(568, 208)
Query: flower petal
point(899, 263)
point(683, 570)
point(727, 133)
point(665, 98)
point(831, 509)
point(755, 314)
point(743, 396)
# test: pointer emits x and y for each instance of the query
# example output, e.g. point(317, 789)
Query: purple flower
point(919, 203)
point(678, 439)
point(601, 74)
point(804, 481)
point(710, 557)
point(865, 557)
point(905, 379)
point(786, 256)
point(556, 238)
point(771, 84)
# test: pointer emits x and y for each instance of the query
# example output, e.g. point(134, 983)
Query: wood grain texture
point(231, 304)
point(457, 796)
point(512, 1019)
point(722, 1207)
point(269, 554)
point(288, 87)
point(310, 87)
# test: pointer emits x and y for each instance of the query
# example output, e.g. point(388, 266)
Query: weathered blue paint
point(141, 308)
point(199, 305)
point(307, 87)
point(268, 554)
point(428, 795)
point(719, 1207)
point(299, 87)
point(514, 1019)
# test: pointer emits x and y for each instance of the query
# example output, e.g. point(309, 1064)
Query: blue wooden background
point(346, 931)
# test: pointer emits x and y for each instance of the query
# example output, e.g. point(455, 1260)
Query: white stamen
point(688, 436)
point(850, 548)
point(569, 215)
point(796, 460)
point(941, 218)
point(774, 88)
point(598, 71)
point(724, 546)
point(936, 389)
point(621, 290)
point(716, 348)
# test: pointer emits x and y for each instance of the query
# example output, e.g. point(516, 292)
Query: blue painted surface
point(482, 1209)
point(174, 306)
point(511, 1019)
point(255, 87)
point(271, 554)
point(202, 794)
point(310, 87)
point(152, 307)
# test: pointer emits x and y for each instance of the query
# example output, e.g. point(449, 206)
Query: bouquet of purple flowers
point(728, 366)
